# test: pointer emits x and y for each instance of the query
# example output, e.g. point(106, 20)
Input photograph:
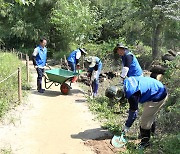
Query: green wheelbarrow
point(59, 77)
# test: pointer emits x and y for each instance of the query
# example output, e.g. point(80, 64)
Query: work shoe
point(41, 90)
point(152, 130)
point(144, 143)
point(145, 137)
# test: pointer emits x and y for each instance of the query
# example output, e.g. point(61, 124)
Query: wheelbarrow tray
point(59, 75)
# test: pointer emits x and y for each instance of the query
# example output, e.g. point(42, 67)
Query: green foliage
point(20, 29)
point(107, 115)
point(156, 15)
point(171, 79)
point(143, 54)
point(113, 127)
point(64, 22)
point(59, 55)
point(171, 144)
point(75, 21)
point(9, 88)
point(172, 35)
point(166, 144)
point(116, 13)
point(102, 49)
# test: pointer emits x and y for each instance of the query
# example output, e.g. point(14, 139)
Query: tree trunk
point(157, 29)
point(155, 41)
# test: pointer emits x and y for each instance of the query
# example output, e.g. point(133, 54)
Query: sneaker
point(94, 95)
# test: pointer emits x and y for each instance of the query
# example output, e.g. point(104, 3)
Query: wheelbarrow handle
point(48, 67)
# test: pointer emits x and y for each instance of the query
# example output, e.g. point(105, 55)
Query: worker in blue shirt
point(94, 70)
point(39, 61)
point(130, 65)
point(74, 57)
point(149, 92)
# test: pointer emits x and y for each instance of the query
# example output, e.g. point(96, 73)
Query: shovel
point(118, 141)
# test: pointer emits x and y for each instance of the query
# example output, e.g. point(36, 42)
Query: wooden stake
point(27, 68)
point(83, 62)
point(61, 62)
point(19, 85)
point(65, 61)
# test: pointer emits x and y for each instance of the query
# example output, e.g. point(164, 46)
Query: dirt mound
point(102, 145)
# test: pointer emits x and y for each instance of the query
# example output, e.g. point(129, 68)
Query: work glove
point(125, 129)
point(35, 66)
point(121, 81)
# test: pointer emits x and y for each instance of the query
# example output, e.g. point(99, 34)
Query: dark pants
point(40, 72)
point(72, 66)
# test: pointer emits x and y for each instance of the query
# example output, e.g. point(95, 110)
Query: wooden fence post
point(65, 60)
point(27, 68)
point(19, 85)
point(83, 62)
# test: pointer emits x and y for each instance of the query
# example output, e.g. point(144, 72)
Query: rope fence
point(18, 72)
point(9, 76)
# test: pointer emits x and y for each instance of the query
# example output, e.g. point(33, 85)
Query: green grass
point(111, 118)
point(9, 64)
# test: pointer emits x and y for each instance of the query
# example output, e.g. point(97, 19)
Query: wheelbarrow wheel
point(65, 88)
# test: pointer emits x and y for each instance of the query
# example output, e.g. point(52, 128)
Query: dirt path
point(51, 123)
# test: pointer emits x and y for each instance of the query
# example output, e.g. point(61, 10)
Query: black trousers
point(40, 72)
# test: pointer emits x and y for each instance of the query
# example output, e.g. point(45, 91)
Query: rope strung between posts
point(9, 76)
